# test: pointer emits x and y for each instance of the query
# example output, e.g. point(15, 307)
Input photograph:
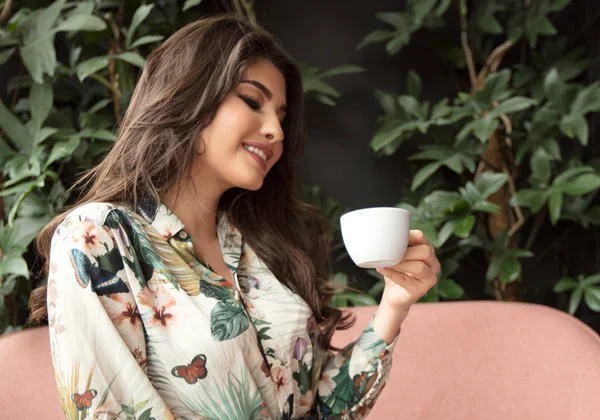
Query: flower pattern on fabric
point(141, 328)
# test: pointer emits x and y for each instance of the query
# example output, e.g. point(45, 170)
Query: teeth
point(257, 151)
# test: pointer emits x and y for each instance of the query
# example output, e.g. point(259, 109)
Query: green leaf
point(62, 149)
point(514, 104)
point(376, 36)
point(99, 105)
point(555, 206)
point(449, 289)
point(464, 225)
point(424, 174)
point(592, 298)
point(553, 86)
point(81, 22)
point(139, 16)
point(82, 9)
point(490, 182)
point(100, 134)
point(444, 202)
point(189, 4)
point(132, 58)
point(557, 5)
point(148, 39)
point(396, 43)
point(540, 169)
point(575, 300)
point(413, 84)
point(346, 69)
point(399, 20)
point(564, 285)
point(16, 131)
point(13, 264)
point(341, 278)
point(510, 271)
point(91, 66)
point(39, 58)
point(570, 174)
point(481, 128)
point(421, 9)
point(41, 98)
point(487, 207)
point(587, 100)
point(534, 199)
point(591, 280)
point(584, 184)
point(445, 232)
point(227, 321)
point(575, 126)
point(6, 54)
point(493, 268)
point(387, 101)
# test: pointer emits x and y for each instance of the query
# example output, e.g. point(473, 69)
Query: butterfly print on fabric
point(84, 401)
point(104, 281)
point(192, 372)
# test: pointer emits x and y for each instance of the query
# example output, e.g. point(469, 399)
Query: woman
point(190, 281)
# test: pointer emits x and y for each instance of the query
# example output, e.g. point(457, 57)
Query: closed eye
point(251, 102)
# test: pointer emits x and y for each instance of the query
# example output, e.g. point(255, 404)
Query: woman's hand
point(409, 280)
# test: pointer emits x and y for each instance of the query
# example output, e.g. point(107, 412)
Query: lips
point(266, 149)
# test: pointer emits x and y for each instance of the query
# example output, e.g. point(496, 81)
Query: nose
point(272, 129)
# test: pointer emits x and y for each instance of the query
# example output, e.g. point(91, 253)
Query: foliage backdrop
point(499, 161)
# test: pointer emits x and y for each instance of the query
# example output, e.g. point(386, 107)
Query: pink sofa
point(460, 360)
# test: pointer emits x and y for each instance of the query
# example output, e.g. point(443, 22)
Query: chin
point(252, 185)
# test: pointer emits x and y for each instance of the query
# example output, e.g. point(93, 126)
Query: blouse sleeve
point(352, 379)
point(96, 334)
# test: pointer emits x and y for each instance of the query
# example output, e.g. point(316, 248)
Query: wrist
point(388, 320)
point(393, 306)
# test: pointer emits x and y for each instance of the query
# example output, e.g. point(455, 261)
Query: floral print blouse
point(141, 329)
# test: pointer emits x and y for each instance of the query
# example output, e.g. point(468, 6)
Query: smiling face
point(245, 138)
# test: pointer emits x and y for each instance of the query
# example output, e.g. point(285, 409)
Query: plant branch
point(106, 84)
point(464, 41)
point(537, 224)
point(494, 59)
point(6, 11)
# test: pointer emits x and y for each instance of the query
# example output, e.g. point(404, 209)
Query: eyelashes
point(254, 104)
point(251, 102)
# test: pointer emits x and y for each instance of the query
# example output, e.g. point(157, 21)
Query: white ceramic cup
point(376, 237)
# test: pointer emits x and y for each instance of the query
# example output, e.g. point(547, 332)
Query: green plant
point(76, 66)
point(494, 169)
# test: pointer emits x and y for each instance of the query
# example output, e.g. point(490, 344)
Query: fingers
point(417, 237)
point(416, 269)
point(424, 253)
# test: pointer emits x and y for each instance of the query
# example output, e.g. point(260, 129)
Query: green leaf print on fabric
point(344, 394)
point(262, 334)
point(303, 378)
point(146, 256)
point(220, 293)
point(236, 400)
point(228, 321)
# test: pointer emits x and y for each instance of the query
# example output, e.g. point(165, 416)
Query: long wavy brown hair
point(175, 98)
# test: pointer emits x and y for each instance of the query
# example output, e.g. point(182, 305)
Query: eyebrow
point(266, 92)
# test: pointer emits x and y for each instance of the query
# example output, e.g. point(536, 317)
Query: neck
point(196, 205)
